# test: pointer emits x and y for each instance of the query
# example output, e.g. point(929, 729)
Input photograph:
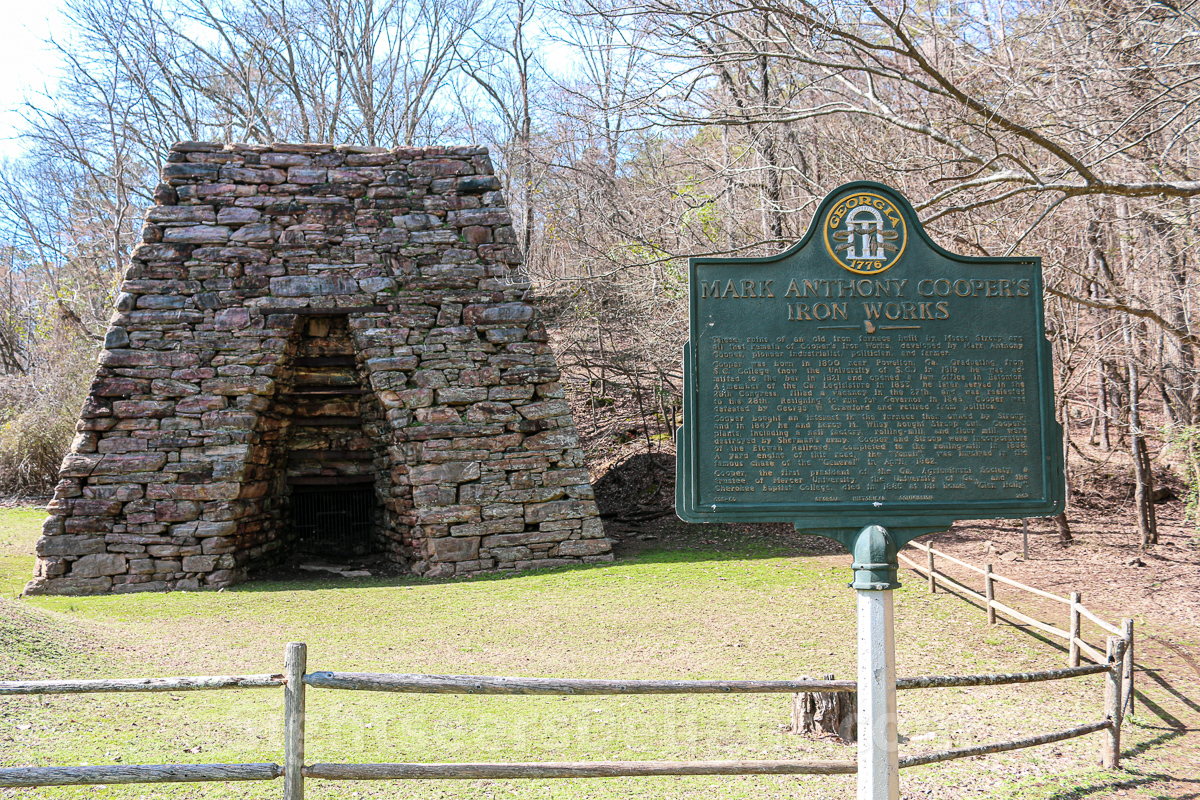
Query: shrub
point(1185, 439)
point(39, 409)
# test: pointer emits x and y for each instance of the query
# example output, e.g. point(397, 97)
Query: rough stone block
point(181, 214)
point(143, 409)
point(198, 404)
point(584, 547)
point(503, 554)
point(449, 472)
point(488, 527)
point(479, 183)
point(312, 285)
point(78, 465)
point(489, 412)
point(96, 507)
point(199, 563)
point(219, 545)
point(510, 392)
point(197, 234)
point(70, 545)
point(437, 416)
point(448, 514)
point(244, 175)
point(527, 538)
point(498, 314)
point(457, 396)
point(455, 548)
point(502, 510)
point(128, 463)
point(440, 571)
point(98, 565)
point(557, 439)
point(234, 386)
point(69, 585)
point(429, 495)
point(565, 477)
point(237, 215)
point(215, 529)
point(176, 510)
point(560, 509)
point(224, 577)
point(549, 408)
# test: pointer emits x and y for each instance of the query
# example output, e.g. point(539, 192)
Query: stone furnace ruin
point(324, 350)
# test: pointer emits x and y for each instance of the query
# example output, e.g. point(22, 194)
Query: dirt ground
point(1158, 586)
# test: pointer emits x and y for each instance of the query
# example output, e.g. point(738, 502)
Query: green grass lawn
point(661, 614)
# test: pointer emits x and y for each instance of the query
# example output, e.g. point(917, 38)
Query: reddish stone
point(143, 409)
point(147, 358)
point(176, 510)
point(119, 387)
point(96, 508)
point(455, 548)
point(133, 462)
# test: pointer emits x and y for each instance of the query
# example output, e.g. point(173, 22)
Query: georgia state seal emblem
point(865, 233)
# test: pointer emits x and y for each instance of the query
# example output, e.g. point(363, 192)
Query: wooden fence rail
point(1076, 644)
point(148, 773)
point(585, 769)
point(295, 680)
point(192, 684)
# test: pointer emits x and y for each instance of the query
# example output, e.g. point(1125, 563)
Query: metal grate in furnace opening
point(335, 523)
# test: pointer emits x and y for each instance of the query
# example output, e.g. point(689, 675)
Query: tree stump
point(826, 713)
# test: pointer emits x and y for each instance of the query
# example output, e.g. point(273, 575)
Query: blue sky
point(25, 62)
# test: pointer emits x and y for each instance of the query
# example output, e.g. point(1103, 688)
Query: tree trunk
point(826, 713)
point(1105, 439)
point(1143, 493)
point(1102, 402)
point(1064, 529)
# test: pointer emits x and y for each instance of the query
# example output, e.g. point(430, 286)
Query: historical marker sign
point(868, 377)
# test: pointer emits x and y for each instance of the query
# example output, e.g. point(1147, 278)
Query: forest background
point(631, 135)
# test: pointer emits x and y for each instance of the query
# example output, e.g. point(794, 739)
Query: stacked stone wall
point(179, 474)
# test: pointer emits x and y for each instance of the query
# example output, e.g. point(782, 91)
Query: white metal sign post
point(875, 577)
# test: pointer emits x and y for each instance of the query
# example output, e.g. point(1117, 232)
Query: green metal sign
point(867, 377)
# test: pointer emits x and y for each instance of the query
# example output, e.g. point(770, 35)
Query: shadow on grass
point(1028, 630)
point(1154, 675)
point(1176, 728)
point(1121, 783)
point(644, 557)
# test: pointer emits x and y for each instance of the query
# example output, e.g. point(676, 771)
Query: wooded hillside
point(633, 135)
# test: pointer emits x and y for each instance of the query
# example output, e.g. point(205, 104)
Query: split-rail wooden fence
point(295, 680)
point(1077, 611)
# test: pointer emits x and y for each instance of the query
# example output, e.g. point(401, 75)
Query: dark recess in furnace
point(332, 440)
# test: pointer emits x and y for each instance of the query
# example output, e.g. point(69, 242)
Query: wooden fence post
point(932, 580)
point(989, 591)
point(1110, 747)
point(1073, 628)
point(1127, 671)
point(295, 660)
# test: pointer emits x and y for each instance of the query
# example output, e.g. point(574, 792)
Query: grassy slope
point(663, 614)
